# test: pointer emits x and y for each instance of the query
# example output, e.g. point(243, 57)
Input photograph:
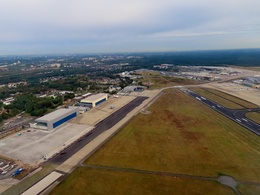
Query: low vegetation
point(180, 136)
point(254, 116)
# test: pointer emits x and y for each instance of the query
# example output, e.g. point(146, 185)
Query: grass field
point(91, 181)
point(224, 99)
point(255, 116)
point(181, 136)
point(159, 81)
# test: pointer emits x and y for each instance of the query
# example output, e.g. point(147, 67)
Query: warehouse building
point(56, 118)
point(94, 100)
point(134, 89)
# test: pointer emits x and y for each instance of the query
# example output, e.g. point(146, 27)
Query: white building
point(55, 119)
point(94, 100)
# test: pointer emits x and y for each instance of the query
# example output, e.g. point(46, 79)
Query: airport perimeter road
point(102, 126)
point(235, 115)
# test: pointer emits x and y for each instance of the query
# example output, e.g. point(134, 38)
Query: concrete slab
point(30, 147)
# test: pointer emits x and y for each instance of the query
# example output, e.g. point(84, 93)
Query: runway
point(237, 115)
point(102, 126)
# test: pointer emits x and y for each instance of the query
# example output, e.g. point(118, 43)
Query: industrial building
point(94, 100)
point(56, 118)
point(134, 88)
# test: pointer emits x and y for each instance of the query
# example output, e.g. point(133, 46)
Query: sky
point(95, 26)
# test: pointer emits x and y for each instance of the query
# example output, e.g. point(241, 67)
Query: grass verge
point(254, 116)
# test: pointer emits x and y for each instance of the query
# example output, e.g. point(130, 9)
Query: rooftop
point(56, 113)
point(94, 97)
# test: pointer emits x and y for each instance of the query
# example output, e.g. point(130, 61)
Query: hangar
point(134, 89)
point(94, 100)
point(56, 118)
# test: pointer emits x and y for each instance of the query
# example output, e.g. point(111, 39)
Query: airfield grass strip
point(232, 98)
point(216, 98)
point(254, 116)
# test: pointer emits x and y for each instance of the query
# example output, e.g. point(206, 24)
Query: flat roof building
point(56, 118)
point(134, 88)
point(94, 100)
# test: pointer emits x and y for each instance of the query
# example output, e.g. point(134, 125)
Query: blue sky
point(89, 26)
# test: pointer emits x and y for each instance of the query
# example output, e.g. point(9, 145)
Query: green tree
point(15, 111)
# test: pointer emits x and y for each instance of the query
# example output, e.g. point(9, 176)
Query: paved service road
point(102, 126)
point(237, 115)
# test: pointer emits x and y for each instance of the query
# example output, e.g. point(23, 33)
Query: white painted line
point(43, 184)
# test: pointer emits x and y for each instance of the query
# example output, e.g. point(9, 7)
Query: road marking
point(238, 120)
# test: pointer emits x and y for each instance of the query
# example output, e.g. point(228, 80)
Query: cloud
point(46, 23)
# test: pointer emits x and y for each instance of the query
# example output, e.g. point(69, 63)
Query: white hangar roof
point(93, 98)
point(57, 113)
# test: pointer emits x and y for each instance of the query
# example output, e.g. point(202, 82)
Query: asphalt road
point(237, 115)
point(102, 126)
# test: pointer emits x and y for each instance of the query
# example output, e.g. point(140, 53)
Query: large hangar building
point(94, 100)
point(56, 118)
point(134, 89)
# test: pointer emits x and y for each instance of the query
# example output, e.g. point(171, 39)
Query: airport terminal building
point(56, 118)
point(94, 100)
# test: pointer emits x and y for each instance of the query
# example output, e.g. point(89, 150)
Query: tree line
point(29, 103)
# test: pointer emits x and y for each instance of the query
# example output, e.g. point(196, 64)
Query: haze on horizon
point(89, 26)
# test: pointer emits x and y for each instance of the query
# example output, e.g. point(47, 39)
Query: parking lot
point(31, 146)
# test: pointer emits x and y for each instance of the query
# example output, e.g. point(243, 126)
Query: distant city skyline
point(88, 26)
